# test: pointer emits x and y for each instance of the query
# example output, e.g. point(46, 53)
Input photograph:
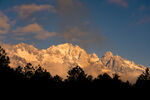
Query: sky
point(120, 26)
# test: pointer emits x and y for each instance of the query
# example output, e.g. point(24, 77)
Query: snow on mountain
point(59, 59)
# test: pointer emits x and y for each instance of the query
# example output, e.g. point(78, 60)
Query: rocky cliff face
point(59, 59)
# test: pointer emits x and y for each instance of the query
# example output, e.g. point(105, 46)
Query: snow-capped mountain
point(59, 59)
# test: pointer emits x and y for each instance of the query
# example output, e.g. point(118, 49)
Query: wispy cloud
point(144, 15)
point(2, 38)
point(26, 10)
point(74, 24)
point(143, 7)
point(4, 23)
point(68, 6)
point(122, 3)
point(144, 20)
point(35, 29)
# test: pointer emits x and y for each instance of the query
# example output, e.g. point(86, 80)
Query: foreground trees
point(143, 80)
point(76, 78)
point(6, 73)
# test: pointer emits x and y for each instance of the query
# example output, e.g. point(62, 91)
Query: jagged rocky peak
point(21, 45)
point(66, 48)
point(69, 46)
point(108, 54)
point(65, 45)
point(60, 58)
point(94, 55)
point(61, 46)
point(107, 57)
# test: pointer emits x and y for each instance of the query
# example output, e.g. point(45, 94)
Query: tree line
point(76, 77)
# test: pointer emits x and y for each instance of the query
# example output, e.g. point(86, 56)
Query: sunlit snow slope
point(59, 59)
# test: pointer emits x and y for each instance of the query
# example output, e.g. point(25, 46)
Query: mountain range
point(59, 59)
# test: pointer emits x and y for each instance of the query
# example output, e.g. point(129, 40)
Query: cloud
point(64, 7)
point(4, 23)
point(36, 29)
point(45, 35)
point(2, 37)
point(74, 34)
point(19, 38)
point(25, 11)
point(122, 3)
point(144, 20)
point(143, 7)
point(74, 24)
point(83, 36)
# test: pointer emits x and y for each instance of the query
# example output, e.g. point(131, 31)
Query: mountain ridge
point(59, 59)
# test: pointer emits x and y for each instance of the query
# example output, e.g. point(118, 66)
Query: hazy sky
point(121, 26)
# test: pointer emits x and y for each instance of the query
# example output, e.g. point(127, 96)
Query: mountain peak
point(60, 58)
point(21, 44)
point(65, 44)
point(108, 54)
point(26, 46)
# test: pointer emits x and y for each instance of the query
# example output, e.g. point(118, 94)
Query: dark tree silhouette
point(19, 69)
point(90, 78)
point(76, 74)
point(20, 73)
point(41, 74)
point(57, 79)
point(104, 77)
point(145, 75)
point(6, 73)
point(29, 71)
point(143, 80)
point(102, 81)
point(117, 82)
point(116, 77)
point(4, 59)
point(77, 78)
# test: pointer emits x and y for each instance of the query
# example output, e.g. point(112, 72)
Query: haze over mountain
point(59, 59)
